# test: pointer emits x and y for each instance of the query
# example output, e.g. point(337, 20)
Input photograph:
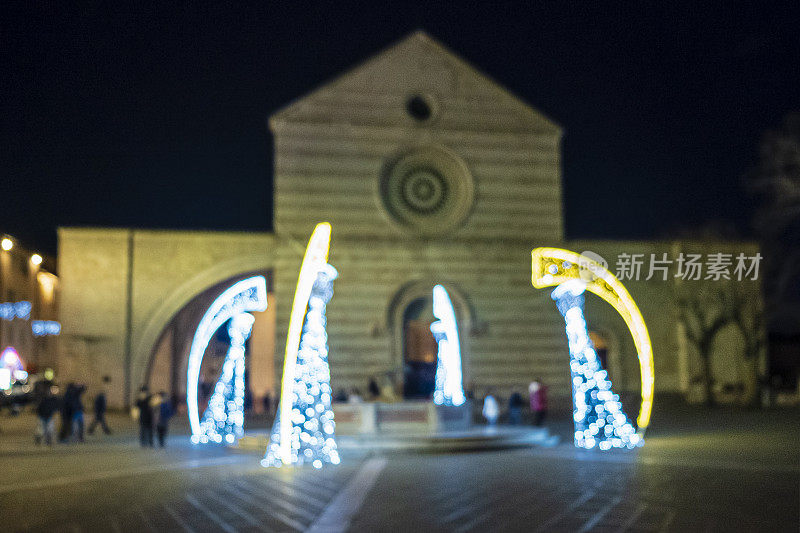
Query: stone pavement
point(701, 470)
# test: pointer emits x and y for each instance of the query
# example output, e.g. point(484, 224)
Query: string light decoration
point(449, 389)
point(247, 295)
point(312, 438)
point(224, 416)
point(554, 266)
point(597, 411)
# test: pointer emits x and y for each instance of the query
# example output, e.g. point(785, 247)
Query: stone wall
point(112, 320)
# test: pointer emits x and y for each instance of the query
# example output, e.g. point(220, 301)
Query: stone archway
point(147, 336)
point(404, 297)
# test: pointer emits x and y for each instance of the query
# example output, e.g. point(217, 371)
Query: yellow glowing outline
point(315, 258)
point(605, 285)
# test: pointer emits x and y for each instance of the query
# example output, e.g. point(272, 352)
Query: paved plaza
point(703, 470)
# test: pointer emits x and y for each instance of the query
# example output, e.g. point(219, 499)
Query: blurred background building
point(29, 292)
point(429, 172)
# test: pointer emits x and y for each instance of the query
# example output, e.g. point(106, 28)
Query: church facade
point(429, 173)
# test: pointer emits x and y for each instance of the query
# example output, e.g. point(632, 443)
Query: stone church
point(429, 173)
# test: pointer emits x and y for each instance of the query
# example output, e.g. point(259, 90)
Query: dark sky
point(158, 118)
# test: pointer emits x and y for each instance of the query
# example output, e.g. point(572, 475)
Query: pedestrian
point(77, 411)
point(515, 409)
point(491, 409)
point(373, 388)
point(145, 413)
point(355, 396)
point(100, 410)
point(163, 413)
point(65, 432)
point(45, 411)
point(538, 399)
point(248, 400)
point(267, 403)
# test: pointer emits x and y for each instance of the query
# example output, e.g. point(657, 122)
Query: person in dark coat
point(145, 418)
point(77, 411)
point(45, 411)
point(268, 404)
point(100, 411)
point(515, 409)
point(373, 389)
point(164, 412)
point(66, 413)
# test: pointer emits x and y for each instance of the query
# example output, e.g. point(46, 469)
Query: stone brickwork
point(429, 172)
point(121, 288)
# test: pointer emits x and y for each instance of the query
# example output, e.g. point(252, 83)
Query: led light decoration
point(555, 266)
point(597, 412)
point(11, 360)
point(8, 310)
point(224, 416)
point(303, 431)
point(40, 328)
point(244, 296)
point(11, 368)
point(449, 388)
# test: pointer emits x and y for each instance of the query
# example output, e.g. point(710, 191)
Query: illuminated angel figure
point(599, 419)
point(224, 416)
point(312, 438)
point(303, 431)
point(597, 411)
point(246, 295)
point(449, 389)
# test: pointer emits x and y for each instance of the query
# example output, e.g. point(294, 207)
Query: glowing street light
point(36, 259)
point(7, 244)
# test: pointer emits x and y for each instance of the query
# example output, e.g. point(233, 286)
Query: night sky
point(157, 119)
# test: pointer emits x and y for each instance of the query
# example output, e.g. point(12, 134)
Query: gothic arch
point(148, 334)
point(414, 290)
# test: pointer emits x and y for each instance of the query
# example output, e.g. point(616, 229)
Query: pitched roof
point(375, 93)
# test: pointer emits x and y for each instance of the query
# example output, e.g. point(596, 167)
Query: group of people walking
point(152, 410)
point(70, 408)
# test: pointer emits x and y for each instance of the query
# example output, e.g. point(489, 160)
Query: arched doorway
point(419, 350)
point(414, 349)
point(167, 368)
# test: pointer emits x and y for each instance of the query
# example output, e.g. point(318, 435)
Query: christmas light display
point(224, 416)
point(40, 328)
point(304, 429)
point(449, 389)
point(244, 296)
point(597, 412)
point(554, 266)
point(11, 368)
point(9, 311)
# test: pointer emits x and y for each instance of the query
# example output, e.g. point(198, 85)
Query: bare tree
point(748, 316)
point(704, 311)
point(776, 183)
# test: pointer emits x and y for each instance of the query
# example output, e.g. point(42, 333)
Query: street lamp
point(7, 244)
point(36, 259)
